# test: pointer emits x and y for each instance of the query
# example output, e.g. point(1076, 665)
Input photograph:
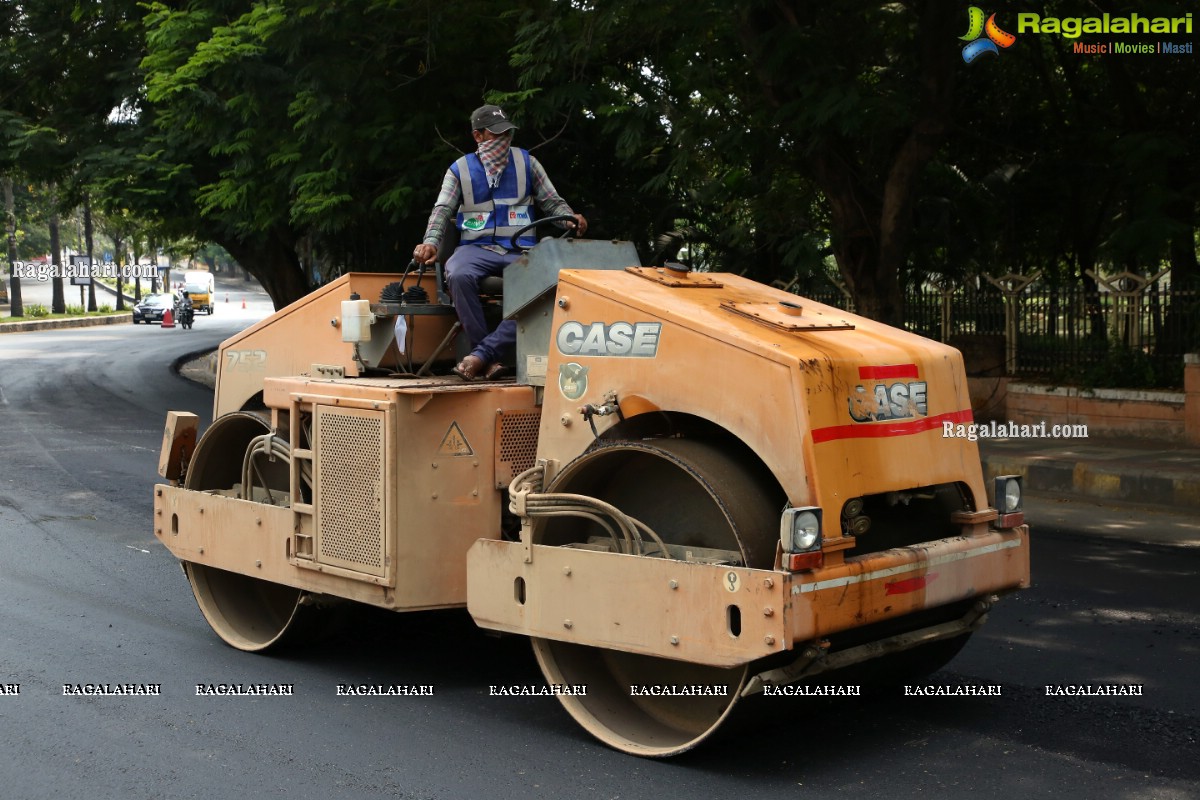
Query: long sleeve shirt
point(451, 197)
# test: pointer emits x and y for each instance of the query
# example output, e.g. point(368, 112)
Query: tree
point(308, 139)
point(783, 126)
point(776, 128)
point(276, 131)
point(64, 66)
point(16, 306)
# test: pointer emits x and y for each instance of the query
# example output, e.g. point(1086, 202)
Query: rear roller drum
point(247, 613)
point(690, 493)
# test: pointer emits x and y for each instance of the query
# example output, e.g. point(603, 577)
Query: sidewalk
point(1125, 490)
point(1107, 470)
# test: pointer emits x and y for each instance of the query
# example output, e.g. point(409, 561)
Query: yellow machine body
point(624, 501)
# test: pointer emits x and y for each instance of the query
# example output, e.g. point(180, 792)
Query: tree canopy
point(778, 138)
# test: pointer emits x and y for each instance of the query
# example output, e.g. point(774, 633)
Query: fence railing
point(1069, 334)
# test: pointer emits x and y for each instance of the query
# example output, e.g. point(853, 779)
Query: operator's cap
point(492, 118)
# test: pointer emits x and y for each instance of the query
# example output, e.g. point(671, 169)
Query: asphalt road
point(88, 596)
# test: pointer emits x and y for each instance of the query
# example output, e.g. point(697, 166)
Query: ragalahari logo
point(976, 28)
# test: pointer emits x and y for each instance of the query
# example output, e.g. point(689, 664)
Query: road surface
point(89, 597)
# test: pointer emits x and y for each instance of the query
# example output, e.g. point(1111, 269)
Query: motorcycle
point(184, 313)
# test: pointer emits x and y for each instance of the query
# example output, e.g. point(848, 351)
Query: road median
point(28, 325)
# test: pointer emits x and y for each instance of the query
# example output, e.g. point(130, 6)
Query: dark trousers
point(464, 270)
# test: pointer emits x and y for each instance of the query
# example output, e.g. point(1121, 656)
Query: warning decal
point(454, 443)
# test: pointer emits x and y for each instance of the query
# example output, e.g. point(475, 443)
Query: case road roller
point(695, 487)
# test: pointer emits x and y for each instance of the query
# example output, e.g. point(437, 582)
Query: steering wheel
point(512, 242)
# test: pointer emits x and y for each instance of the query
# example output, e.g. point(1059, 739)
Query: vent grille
point(517, 450)
point(349, 502)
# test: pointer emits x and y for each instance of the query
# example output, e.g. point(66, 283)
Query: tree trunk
point(152, 251)
point(855, 216)
point(118, 257)
point(274, 263)
point(15, 307)
point(1185, 271)
point(871, 197)
point(87, 234)
point(1181, 329)
point(58, 305)
point(137, 260)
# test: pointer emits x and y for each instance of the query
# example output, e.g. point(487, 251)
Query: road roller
point(688, 489)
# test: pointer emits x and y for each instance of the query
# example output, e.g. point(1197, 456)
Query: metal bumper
point(721, 615)
point(251, 539)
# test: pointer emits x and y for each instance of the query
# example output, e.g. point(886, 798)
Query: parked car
point(151, 307)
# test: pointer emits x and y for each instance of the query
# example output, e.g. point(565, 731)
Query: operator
point(494, 192)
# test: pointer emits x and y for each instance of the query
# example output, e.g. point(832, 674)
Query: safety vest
point(492, 216)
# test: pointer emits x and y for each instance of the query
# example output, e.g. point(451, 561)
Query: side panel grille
point(516, 450)
point(349, 464)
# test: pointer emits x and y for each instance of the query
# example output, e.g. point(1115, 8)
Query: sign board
point(79, 272)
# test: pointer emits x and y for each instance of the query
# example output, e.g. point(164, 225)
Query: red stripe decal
point(910, 585)
point(886, 373)
point(879, 430)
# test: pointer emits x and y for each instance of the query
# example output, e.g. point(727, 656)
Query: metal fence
point(1068, 334)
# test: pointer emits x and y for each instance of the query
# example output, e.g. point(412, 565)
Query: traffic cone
point(168, 320)
point(243, 302)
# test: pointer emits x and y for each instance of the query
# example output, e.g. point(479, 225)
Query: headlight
point(1008, 494)
point(800, 530)
point(806, 531)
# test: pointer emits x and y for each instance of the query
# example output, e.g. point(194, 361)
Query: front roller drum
point(247, 613)
point(689, 492)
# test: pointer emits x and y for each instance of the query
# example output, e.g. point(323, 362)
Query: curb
point(79, 322)
point(55, 324)
point(198, 366)
point(1178, 488)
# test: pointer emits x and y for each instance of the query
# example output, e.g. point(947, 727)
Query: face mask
point(493, 154)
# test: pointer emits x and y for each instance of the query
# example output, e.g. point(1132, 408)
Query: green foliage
point(36, 310)
point(214, 256)
point(75, 311)
point(32, 212)
point(302, 130)
point(777, 139)
point(1126, 368)
point(308, 137)
point(1100, 364)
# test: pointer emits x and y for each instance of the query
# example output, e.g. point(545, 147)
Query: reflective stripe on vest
point(492, 216)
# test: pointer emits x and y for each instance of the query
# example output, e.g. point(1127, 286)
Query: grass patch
point(38, 312)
